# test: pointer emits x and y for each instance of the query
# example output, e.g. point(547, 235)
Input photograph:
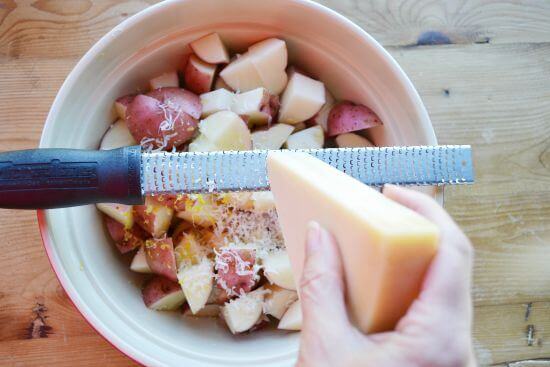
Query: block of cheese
point(385, 247)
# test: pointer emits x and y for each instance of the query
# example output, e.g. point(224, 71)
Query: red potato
point(348, 117)
point(162, 294)
point(153, 218)
point(179, 99)
point(161, 258)
point(199, 76)
point(235, 270)
point(174, 201)
point(121, 104)
point(159, 125)
point(125, 240)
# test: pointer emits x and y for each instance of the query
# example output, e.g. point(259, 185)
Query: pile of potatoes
point(249, 101)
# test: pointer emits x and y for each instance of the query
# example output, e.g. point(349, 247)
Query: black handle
point(58, 178)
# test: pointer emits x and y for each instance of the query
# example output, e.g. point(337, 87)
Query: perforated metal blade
point(246, 171)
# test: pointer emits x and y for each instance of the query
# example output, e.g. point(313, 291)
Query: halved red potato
point(157, 124)
point(242, 313)
point(235, 268)
point(199, 75)
point(154, 218)
point(121, 104)
point(179, 99)
point(348, 117)
point(169, 79)
point(211, 49)
point(162, 294)
point(292, 319)
point(120, 212)
point(125, 240)
point(160, 257)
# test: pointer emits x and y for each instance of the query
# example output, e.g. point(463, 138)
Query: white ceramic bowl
point(328, 46)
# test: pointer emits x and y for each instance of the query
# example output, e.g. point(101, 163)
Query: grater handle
point(58, 178)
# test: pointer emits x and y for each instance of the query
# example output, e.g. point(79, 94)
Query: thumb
point(322, 283)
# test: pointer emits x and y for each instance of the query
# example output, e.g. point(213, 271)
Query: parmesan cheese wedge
point(385, 247)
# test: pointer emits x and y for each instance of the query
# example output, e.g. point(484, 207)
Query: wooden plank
point(535, 363)
point(502, 109)
point(511, 332)
point(409, 22)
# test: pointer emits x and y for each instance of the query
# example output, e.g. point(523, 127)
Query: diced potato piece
point(347, 117)
point(153, 218)
point(277, 269)
point(199, 210)
point(278, 300)
point(188, 249)
point(312, 138)
point(238, 200)
point(160, 257)
point(216, 101)
point(252, 104)
point(321, 118)
point(302, 99)
point(292, 319)
point(162, 294)
point(206, 311)
point(241, 75)
point(211, 49)
point(139, 262)
point(243, 313)
point(126, 239)
point(273, 138)
point(199, 75)
point(121, 104)
point(270, 58)
point(235, 268)
point(196, 282)
point(117, 136)
point(119, 212)
point(169, 79)
point(227, 131)
point(202, 144)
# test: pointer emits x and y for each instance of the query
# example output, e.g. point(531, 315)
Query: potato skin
point(125, 240)
point(347, 117)
point(157, 288)
point(161, 124)
point(231, 262)
point(161, 258)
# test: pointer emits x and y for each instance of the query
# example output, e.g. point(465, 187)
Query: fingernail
point(388, 186)
point(313, 236)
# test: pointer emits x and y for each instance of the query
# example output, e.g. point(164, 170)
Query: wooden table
point(482, 68)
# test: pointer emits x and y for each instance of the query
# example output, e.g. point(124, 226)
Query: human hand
point(435, 332)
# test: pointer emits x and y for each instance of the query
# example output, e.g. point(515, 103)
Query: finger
point(322, 283)
point(448, 278)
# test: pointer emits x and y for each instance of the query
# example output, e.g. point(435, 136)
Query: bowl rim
point(88, 57)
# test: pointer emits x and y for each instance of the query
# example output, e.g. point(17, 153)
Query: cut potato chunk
point(278, 270)
point(196, 282)
point(117, 136)
point(238, 200)
point(273, 138)
point(162, 294)
point(121, 104)
point(216, 101)
point(348, 117)
point(302, 99)
point(351, 140)
point(236, 273)
point(125, 239)
point(243, 313)
point(278, 300)
point(241, 75)
point(139, 262)
point(153, 218)
point(321, 118)
point(169, 79)
point(202, 144)
point(188, 249)
point(160, 257)
point(119, 212)
point(199, 210)
point(292, 319)
point(253, 105)
point(312, 138)
point(270, 58)
point(199, 75)
point(227, 131)
point(210, 49)
point(221, 84)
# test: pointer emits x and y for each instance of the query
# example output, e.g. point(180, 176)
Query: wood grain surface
point(482, 68)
